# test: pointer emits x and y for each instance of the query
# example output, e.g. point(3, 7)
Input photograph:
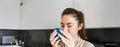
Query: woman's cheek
point(71, 31)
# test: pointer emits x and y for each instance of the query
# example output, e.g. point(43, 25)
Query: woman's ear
point(80, 26)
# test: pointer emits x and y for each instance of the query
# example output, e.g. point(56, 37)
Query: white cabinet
point(42, 14)
point(34, 14)
point(9, 14)
point(46, 14)
point(100, 13)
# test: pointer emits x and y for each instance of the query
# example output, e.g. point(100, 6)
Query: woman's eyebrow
point(69, 23)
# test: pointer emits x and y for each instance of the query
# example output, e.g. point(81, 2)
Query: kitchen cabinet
point(33, 14)
point(46, 14)
point(99, 13)
point(42, 14)
point(9, 14)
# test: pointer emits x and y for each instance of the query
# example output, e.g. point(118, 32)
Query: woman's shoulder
point(87, 44)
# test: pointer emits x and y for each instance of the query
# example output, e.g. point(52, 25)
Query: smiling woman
point(73, 29)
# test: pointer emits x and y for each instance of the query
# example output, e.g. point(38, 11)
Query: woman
point(72, 24)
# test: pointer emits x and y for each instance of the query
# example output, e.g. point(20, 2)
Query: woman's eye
point(69, 26)
point(62, 26)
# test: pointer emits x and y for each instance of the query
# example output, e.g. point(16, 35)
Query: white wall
point(45, 14)
point(9, 14)
point(42, 14)
point(100, 13)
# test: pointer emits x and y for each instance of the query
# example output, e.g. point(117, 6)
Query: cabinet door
point(9, 14)
point(42, 14)
point(100, 13)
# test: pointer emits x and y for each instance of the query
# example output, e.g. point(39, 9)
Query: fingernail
point(61, 30)
point(58, 34)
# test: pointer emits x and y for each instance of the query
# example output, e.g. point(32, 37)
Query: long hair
point(79, 17)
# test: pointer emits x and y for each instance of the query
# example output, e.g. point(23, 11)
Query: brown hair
point(80, 17)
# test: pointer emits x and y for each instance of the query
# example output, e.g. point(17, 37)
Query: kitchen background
point(34, 20)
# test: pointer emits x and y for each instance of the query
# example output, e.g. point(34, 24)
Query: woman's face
point(70, 23)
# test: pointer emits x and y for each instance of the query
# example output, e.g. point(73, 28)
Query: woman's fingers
point(65, 40)
point(54, 40)
point(67, 34)
point(68, 39)
point(52, 35)
point(57, 42)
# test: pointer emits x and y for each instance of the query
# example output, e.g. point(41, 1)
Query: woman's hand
point(54, 39)
point(67, 39)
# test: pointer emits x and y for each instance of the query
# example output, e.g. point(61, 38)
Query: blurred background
point(32, 21)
